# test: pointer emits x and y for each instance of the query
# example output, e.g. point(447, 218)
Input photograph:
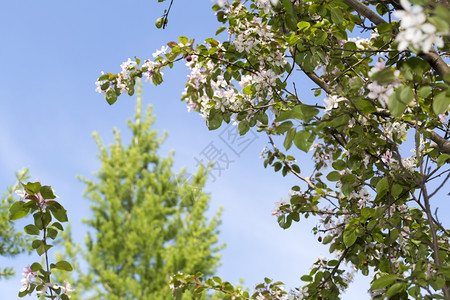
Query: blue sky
point(51, 54)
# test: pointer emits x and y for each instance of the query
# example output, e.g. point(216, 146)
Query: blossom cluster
point(230, 95)
point(379, 91)
point(322, 155)
point(414, 30)
point(41, 202)
point(123, 80)
point(29, 280)
point(362, 196)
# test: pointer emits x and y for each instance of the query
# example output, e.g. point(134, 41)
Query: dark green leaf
point(36, 244)
point(283, 127)
point(306, 278)
point(395, 289)
point(52, 233)
point(31, 229)
point(58, 226)
point(32, 187)
point(243, 127)
point(111, 96)
point(277, 166)
point(47, 192)
point(35, 267)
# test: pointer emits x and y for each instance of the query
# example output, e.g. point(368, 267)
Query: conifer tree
point(147, 224)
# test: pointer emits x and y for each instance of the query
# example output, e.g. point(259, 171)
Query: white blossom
point(278, 210)
point(332, 102)
point(409, 163)
point(163, 50)
point(414, 30)
point(265, 5)
point(28, 279)
point(362, 196)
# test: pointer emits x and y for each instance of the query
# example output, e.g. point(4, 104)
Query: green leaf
point(442, 159)
point(32, 187)
point(243, 127)
point(209, 91)
point(414, 291)
point(220, 30)
point(395, 106)
point(283, 127)
point(52, 233)
point(383, 281)
point(336, 15)
point(327, 239)
point(395, 289)
point(441, 103)
point(58, 226)
point(60, 213)
point(184, 40)
point(294, 113)
point(424, 91)
point(302, 140)
point(36, 244)
point(405, 94)
point(31, 229)
point(384, 28)
point(247, 90)
point(277, 166)
point(303, 25)
point(365, 106)
point(63, 265)
point(306, 278)
point(47, 192)
point(349, 237)
point(334, 176)
point(339, 165)
point(43, 248)
point(35, 267)
point(289, 137)
point(309, 112)
point(111, 96)
point(396, 190)
point(288, 6)
point(214, 120)
point(38, 220)
point(17, 211)
point(382, 187)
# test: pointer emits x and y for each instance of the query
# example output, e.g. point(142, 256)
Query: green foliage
point(12, 242)
point(383, 93)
